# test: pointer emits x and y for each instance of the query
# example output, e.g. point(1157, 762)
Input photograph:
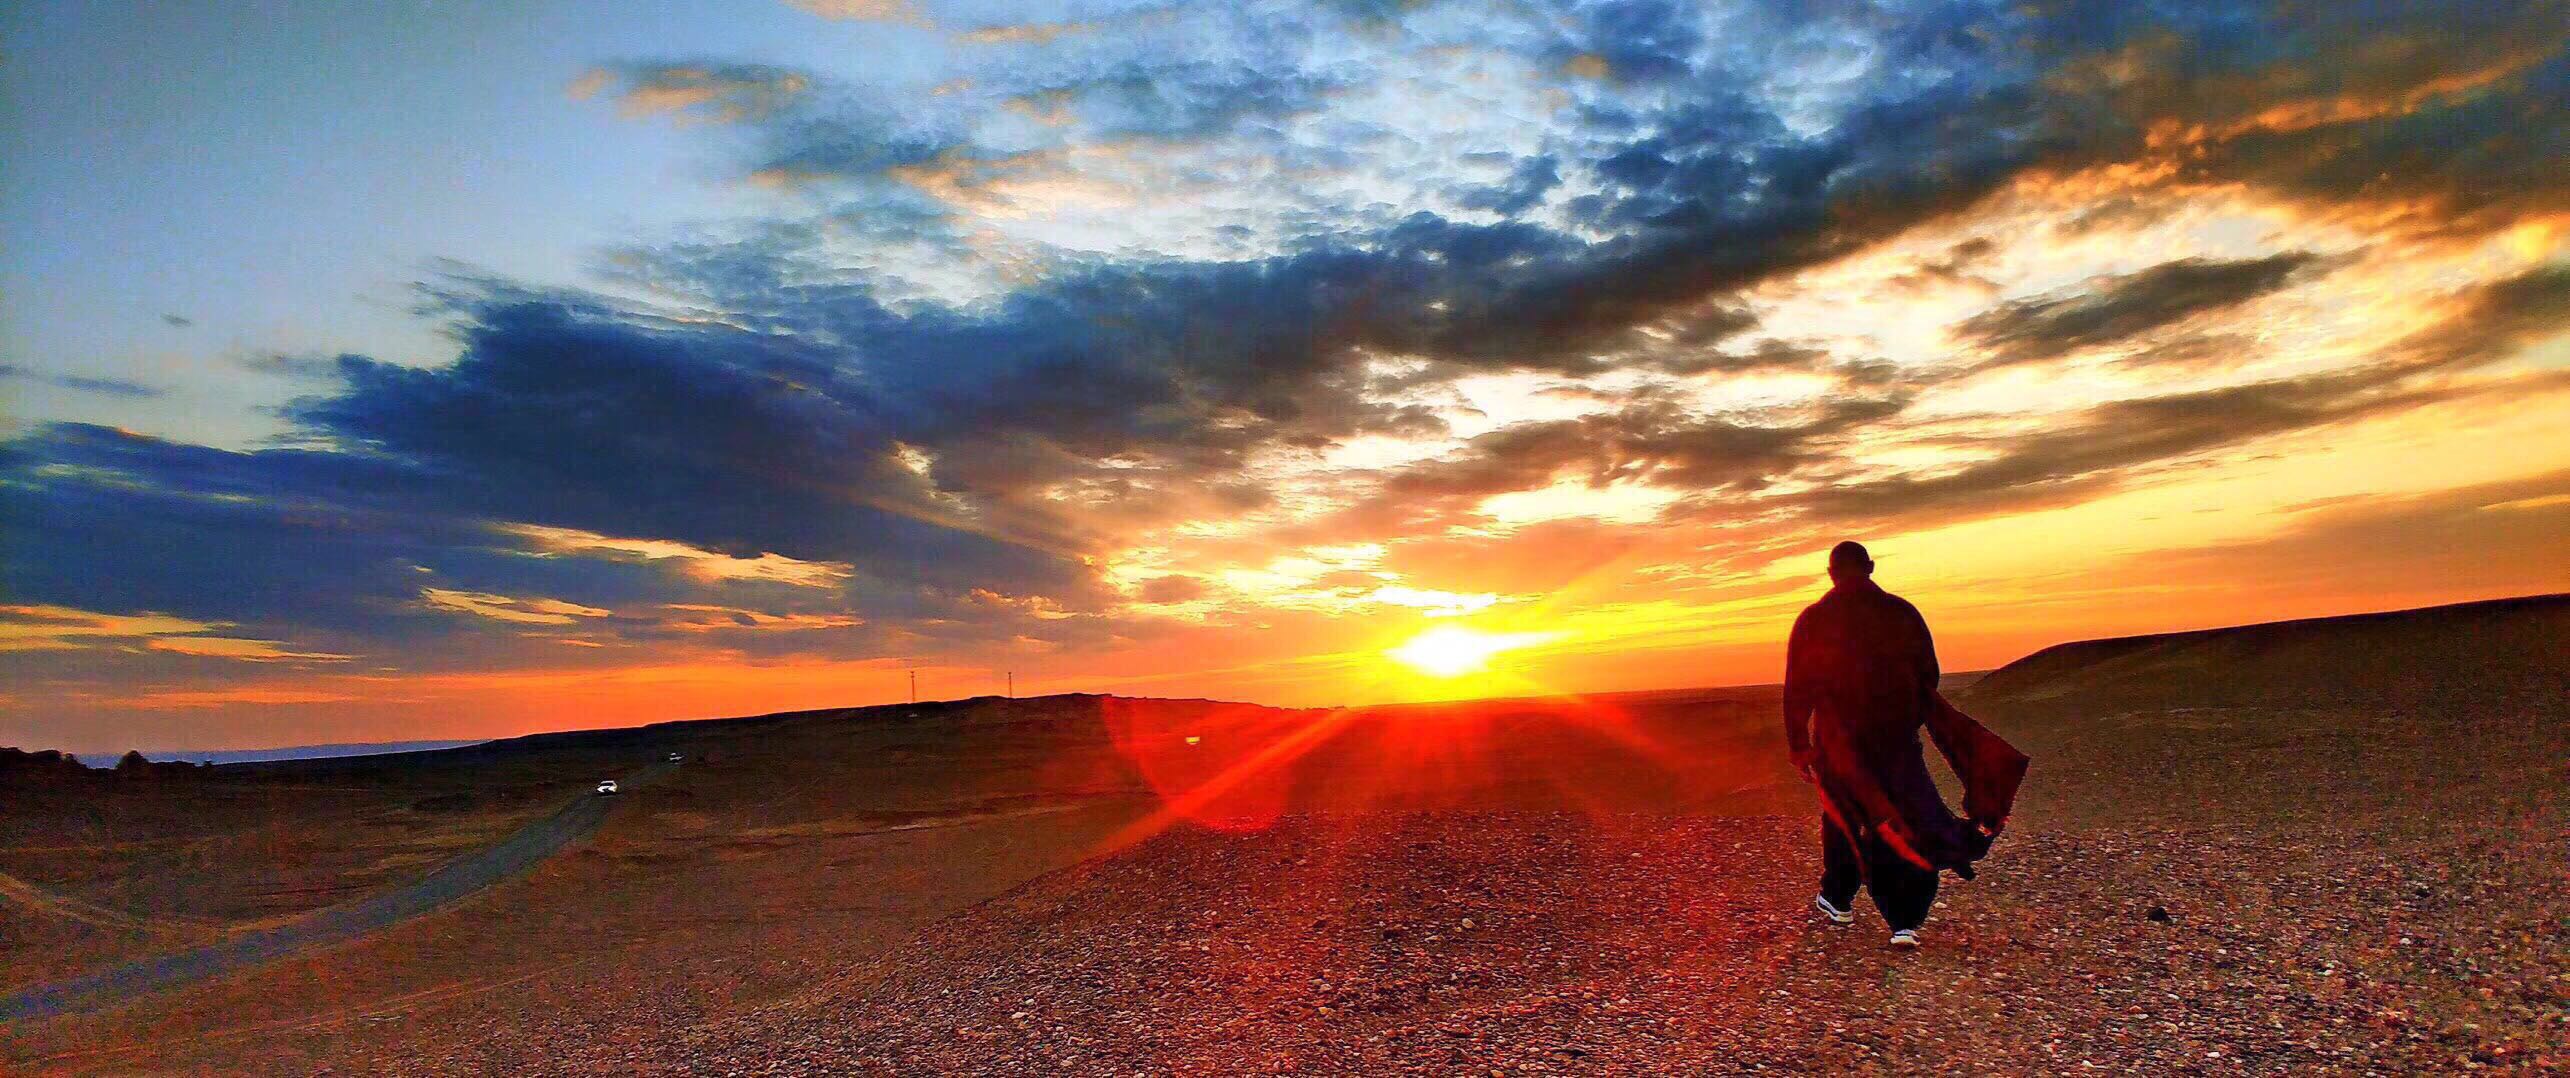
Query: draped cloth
point(1882, 787)
point(1860, 684)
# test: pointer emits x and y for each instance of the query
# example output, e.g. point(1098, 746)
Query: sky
point(389, 371)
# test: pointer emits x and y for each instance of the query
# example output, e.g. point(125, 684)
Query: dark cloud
point(1952, 267)
point(1173, 589)
point(116, 522)
point(1654, 443)
point(564, 412)
point(2488, 322)
point(1639, 41)
point(2478, 325)
point(112, 387)
point(1766, 355)
point(2444, 112)
point(177, 321)
point(324, 368)
point(2100, 448)
point(560, 413)
point(2108, 444)
point(2033, 330)
point(1186, 97)
point(1529, 180)
point(1704, 195)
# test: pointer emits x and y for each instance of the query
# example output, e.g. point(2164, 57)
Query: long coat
point(1860, 683)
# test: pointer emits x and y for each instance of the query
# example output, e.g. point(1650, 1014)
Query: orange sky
point(2177, 363)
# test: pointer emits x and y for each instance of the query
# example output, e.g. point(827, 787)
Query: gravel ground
point(2314, 888)
point(1562, 944)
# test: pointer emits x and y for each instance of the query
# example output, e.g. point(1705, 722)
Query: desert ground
point(2333, 846)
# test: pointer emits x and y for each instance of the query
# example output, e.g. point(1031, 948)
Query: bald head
point(1850, 562)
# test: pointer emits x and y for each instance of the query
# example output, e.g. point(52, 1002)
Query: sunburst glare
point(1449, 651)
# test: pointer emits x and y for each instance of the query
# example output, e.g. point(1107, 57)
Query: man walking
point(1860, 682)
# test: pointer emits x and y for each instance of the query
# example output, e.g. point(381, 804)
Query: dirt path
point(37, 900)
point(455, 880)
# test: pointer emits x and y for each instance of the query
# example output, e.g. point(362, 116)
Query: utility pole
point(1012, 684)
point(914, 685)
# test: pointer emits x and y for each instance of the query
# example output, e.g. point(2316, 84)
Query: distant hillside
point(2493, 650)
point(284, 752)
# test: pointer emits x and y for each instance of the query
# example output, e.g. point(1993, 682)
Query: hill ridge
point(2455, 651)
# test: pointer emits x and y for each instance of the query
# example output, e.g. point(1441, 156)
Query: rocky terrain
point(2276, 877)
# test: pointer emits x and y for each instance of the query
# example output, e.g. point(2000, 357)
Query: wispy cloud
point(535, 611)
point(701, 564)
point(692, 93)
point(60, 628)
point(2119, 308)
point(111, 387)
point(892, 11)
point(702, 618)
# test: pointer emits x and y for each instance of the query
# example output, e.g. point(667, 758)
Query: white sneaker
point(1906, 939)
point(1836, 916)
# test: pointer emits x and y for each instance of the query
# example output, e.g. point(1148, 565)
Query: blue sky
point(386, 371)
point(279, 174)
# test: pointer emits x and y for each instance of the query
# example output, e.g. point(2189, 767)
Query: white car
point(673, 757)
point(607, 787)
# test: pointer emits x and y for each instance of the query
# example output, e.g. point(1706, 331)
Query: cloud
point(2113, 310)
point(1952, 267)
point(508, 608)
point(2491, 321)
point(217, 535)
point(219, 647)
point(1435, 604)
point(111, 387)
point(694, 93)
point(2100, 447)
point(702, 618)
point(1653, 444)
point(2418, 115)
point(891, 11)
point(1046, 33)
point(39, 627)
point(1175, 588)
point(704, 565)
point(563, 412)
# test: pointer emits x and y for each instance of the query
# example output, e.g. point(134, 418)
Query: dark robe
point(1860, 683)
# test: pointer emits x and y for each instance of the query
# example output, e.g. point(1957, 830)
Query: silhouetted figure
point(1860, 682)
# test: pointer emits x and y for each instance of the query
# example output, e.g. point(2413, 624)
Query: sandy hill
point(2467, 651)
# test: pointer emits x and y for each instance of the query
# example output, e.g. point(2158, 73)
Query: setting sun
point(1452, 651)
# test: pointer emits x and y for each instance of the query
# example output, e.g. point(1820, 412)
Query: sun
point(1453, 651)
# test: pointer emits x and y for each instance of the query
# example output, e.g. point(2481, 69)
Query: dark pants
point(1903, 891)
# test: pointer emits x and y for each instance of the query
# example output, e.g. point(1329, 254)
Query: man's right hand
point(1807, 761)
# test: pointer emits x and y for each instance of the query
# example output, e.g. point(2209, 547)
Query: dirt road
point(455, 880)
